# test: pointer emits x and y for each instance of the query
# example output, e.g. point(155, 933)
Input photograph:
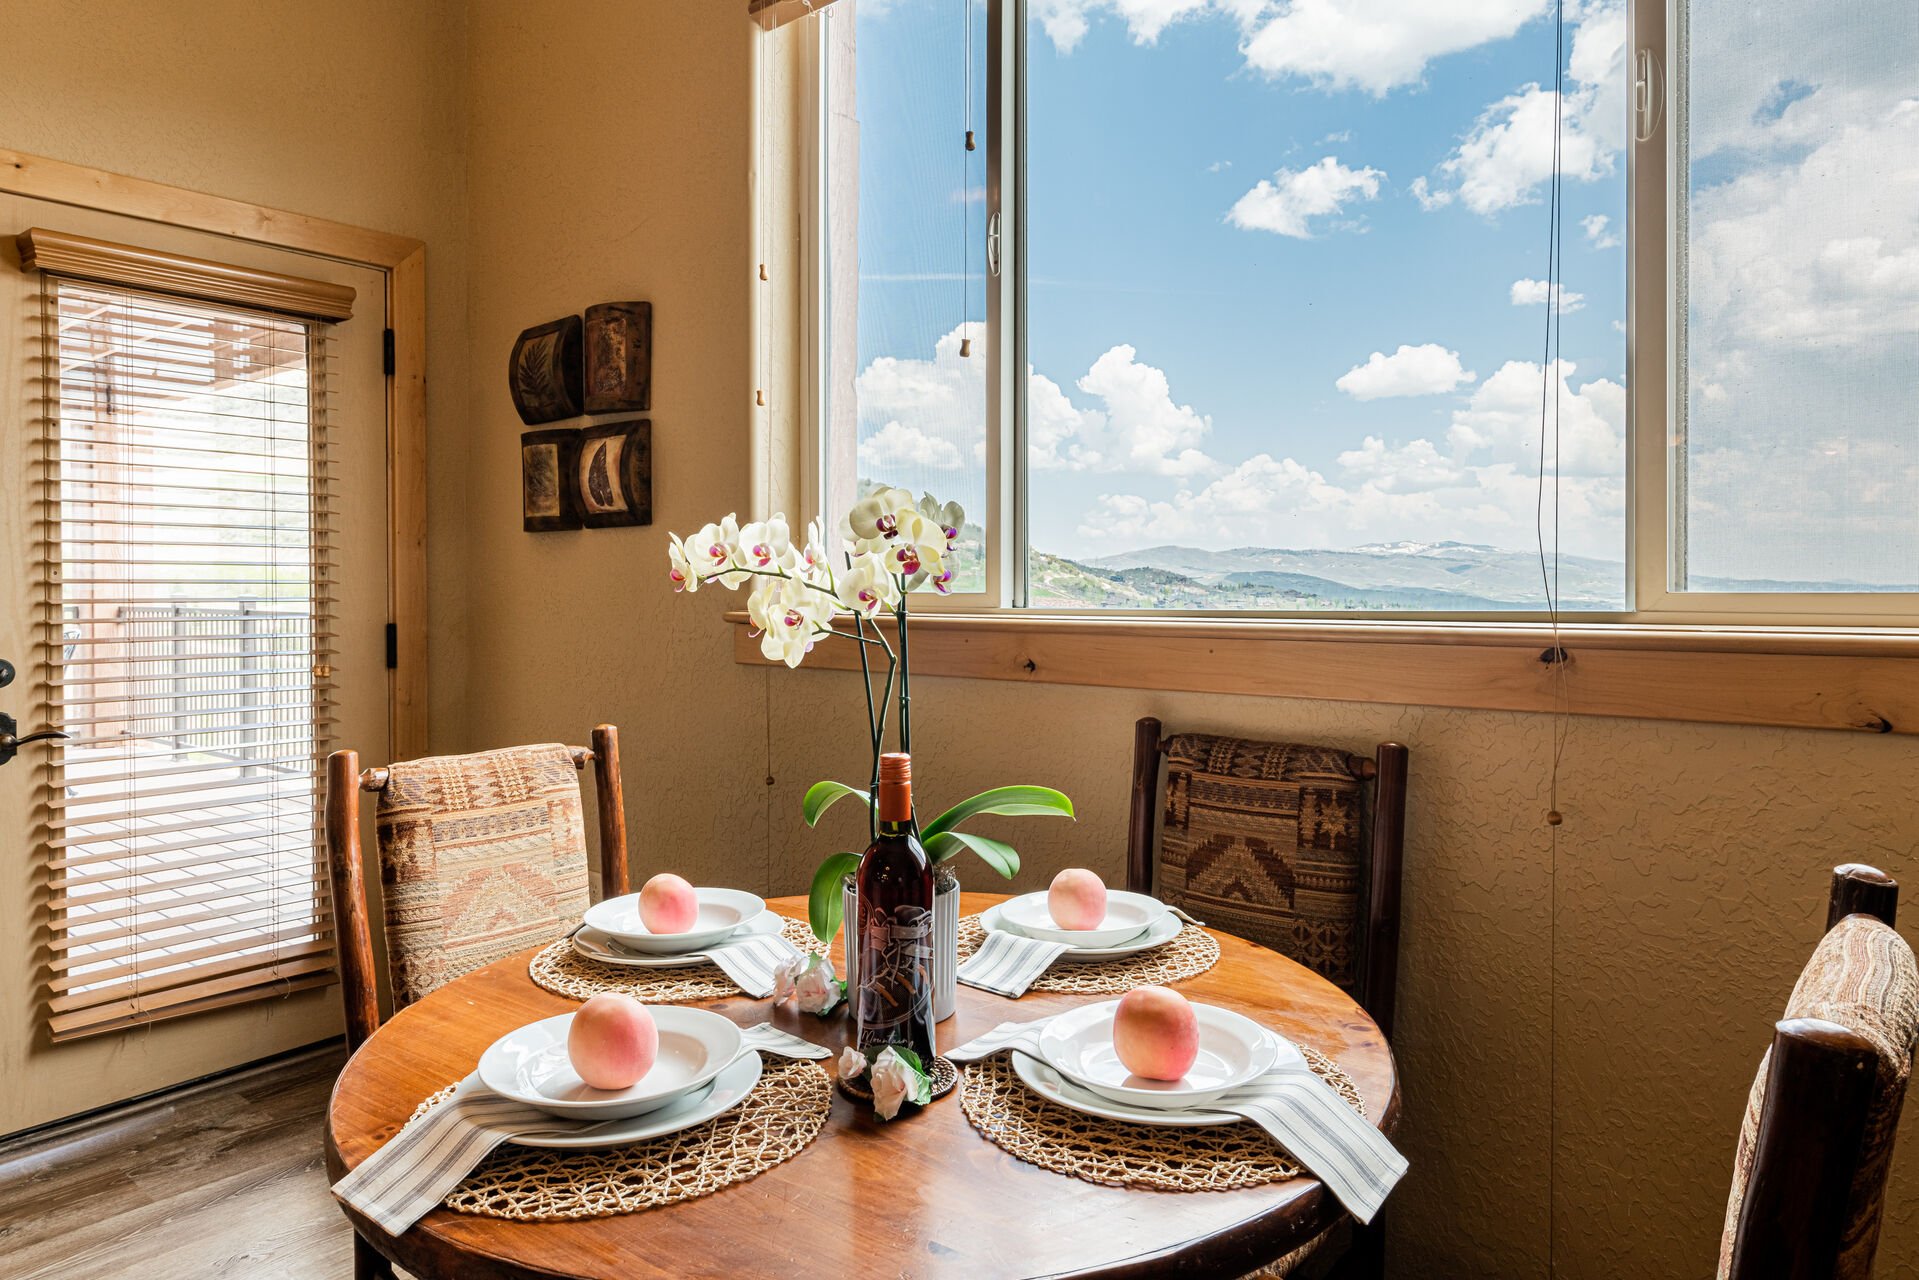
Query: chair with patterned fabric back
point(1809, 1175)
point(480, 856)
point(1273, 841)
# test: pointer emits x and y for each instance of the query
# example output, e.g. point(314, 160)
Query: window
point(188, 498)
point(1273, 319)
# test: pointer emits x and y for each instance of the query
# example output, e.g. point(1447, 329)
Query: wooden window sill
point(1865, 681)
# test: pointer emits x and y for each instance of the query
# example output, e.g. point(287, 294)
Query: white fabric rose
point(815, 989)
point(852, 1063)
point(895, 1082)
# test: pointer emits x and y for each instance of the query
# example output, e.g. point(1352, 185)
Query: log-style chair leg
point(369, 1263)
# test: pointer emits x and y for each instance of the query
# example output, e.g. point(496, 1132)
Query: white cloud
point(1508, 154)
point(1481, 485)
point(1067, 21)
point(1426, 370)
point(897, 445)
point(1533, 293)
point(1286, 204)
point(1219, 166)
point(1597, 233)
point(1139, 427)
point(1374, 45)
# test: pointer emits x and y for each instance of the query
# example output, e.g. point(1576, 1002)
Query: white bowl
point(601, 949)
point(727, 1091)
point(1232, 1051)
point(530, 1065)
point(721, 911)
point(1158, 934)
point(1127, 916)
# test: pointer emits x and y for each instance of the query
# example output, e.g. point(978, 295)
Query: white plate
point(727, 1091)
point(1158, 934)
point(1054, 1087)
point(721, 912)
point(604, 949)
point(1232, 1050)
point(530, 1065)
point(1127, 916)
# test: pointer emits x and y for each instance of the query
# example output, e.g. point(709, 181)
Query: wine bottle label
point(896, 972)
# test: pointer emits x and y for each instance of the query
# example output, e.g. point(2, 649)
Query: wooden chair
point(1268, 840)
point(500, 795)
point(1242, 819)
point(1809, 1178)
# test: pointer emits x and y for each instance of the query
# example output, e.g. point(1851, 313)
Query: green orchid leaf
point(999, 855)
point(822, 796)
point(825, 905)
point(1019, 801)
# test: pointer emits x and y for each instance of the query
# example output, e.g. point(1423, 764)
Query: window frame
point(1655, 372)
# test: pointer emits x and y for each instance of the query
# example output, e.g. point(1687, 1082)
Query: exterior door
point(221, 640)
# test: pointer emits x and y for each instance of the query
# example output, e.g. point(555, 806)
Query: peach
point(668, 904)
point(1077, 899)
point(1155, 1033)
point(612, 1042)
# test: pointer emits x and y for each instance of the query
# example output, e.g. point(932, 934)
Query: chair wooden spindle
point(1143, 813)
point(345, 878)
point(615, 879)
point(1858, 889)
point(1381, 981)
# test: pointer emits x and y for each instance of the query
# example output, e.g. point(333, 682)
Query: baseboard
point(127, 1112)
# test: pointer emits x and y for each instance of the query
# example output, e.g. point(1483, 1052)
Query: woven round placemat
point(775, 1123)
point(1114, 1153)
point(1188, 954)
point(565, 972)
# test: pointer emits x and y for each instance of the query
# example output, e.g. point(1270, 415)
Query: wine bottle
point(894, 1005)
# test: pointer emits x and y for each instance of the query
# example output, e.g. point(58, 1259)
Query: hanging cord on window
point(965, 189)
point(1556, 656)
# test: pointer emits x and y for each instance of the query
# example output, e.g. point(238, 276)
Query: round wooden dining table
point(925, 1195)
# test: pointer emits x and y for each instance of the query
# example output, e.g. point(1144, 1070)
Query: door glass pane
point(1287, 304)
point(1798, 465)
point(903, 269)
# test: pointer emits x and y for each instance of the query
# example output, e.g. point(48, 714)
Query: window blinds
point(187, 496)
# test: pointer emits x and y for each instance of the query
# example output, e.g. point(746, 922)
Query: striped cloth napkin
point(401, 1183)
point(751, 962)
point(1301, 1112)
point(1006, 964)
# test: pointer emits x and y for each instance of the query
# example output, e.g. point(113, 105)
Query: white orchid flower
point(950, 517)
point(792, 613)
point(815, 562)
point(685, 574)
point(918, 545)
point(768, 545)
point(715, 549)
point(867, 588)
point(875, 518)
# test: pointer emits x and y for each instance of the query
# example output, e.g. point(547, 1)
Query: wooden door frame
point(403, 261)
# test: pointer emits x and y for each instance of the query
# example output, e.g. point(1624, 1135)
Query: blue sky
point(1285, 260)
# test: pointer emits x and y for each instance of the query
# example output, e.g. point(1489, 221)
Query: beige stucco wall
point(1688, 882)
point(349, 110)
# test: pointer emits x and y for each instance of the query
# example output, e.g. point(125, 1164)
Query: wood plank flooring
point(223, 1180)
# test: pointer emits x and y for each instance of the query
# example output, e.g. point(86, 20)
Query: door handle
point(10, 743)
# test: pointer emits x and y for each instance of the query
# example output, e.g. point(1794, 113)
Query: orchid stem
point(906, 696)
point(873, 731)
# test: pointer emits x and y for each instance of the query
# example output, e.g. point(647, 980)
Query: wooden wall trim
point(1796, 677)
point(403, 259)
point(84, 258)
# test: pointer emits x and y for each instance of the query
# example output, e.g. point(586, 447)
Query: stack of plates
point(703, 1069)
point(1134, 922)
point(1078, 1067)
point(615, 934)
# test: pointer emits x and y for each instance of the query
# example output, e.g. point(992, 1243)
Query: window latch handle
point(992, 244)
point(1648, 95)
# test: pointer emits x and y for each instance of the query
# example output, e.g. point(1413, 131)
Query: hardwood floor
point(222, 1180)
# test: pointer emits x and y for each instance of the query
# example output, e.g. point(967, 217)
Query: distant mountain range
point(1428, 577)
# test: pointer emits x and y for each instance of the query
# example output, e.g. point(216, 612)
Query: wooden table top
point(922, 1196)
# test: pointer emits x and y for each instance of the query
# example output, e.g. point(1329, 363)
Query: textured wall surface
point(349, 110)
point(1594, 1128)
point(610, 152)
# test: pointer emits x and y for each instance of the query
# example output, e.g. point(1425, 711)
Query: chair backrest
point(1809, 1178)
point(1268, 840)
point(480, 856)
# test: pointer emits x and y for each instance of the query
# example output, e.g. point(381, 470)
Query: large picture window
point(1257, 305)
